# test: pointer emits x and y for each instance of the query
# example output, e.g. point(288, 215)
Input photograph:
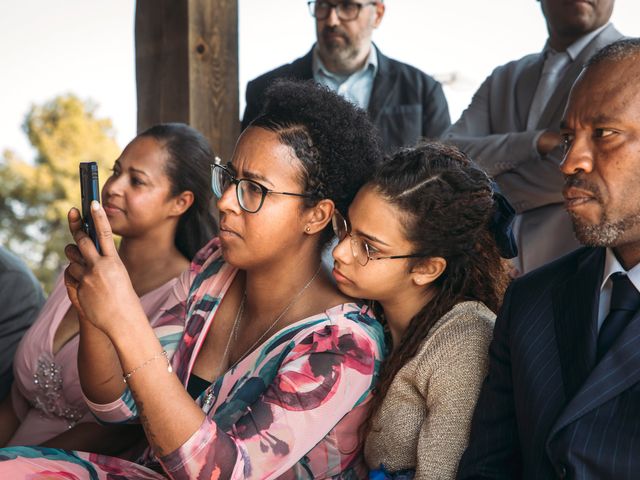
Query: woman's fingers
point(103, 229)
point(83, 241)
point(73, 254)
point(70, 281)
point(75, 221)
point(72, 291)
point(76, 271)
point(85, 246)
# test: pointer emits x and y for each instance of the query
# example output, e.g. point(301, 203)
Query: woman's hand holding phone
point(98, 284)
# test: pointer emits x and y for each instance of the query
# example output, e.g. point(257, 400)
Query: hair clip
point(501, 224)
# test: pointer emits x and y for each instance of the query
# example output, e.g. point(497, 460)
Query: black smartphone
point(90, 190)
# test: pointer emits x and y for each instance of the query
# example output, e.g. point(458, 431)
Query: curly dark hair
point(336, 144)
point(447, 204)
point(188, 168)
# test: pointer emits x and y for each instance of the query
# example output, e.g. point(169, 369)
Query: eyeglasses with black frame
point(250, 194)
point(360, 249)
point(346, 11)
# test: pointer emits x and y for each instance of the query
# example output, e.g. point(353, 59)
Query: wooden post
point(187, 67)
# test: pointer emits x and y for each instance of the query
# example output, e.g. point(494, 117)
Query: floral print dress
point(290, 409)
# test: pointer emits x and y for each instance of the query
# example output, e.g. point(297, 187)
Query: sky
point(87, 48)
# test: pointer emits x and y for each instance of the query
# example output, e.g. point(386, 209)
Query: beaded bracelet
point(126, 376)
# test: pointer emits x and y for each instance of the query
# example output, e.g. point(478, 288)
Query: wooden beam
point(187, 67)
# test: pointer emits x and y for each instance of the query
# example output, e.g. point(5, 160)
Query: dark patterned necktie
point(625, 301)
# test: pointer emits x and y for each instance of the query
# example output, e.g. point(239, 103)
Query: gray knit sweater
point(424, 421)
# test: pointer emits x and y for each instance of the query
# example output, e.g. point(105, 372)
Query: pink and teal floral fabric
point(290, 409)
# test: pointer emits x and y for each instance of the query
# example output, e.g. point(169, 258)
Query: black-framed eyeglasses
point(360, 249)
point(346, 11)
point(250, 194)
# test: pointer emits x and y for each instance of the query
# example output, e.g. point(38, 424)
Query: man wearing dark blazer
point(562, 397)
point(511, 126)
point(403, 102)
point(20, 300)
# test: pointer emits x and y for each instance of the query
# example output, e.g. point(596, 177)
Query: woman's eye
point(136, 181)
point(372, 250)
point(254, 189)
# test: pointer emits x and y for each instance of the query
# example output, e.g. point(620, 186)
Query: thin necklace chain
point(233, 334)
point(275, 322)
point(234, 329)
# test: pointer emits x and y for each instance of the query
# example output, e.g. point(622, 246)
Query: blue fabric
point(501, 224)
point(356, 87)
point(383, 474)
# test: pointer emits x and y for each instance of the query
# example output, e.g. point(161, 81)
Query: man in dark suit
point(403, 102)
point(511, 126)
point(20, 300)
point(562, 398)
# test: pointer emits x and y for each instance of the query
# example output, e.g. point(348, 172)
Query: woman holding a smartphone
point(273, 375)
point(157, 201)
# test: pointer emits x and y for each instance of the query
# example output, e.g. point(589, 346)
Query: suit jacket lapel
point(575, 308)
point(303, 67)
point(382, 89)
point(618, 370)
point(527, 84)
point(555, 107)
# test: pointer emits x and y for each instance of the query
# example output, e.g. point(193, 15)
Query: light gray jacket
point(492, 131)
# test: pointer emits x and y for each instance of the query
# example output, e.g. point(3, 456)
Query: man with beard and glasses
point(403, 102)
point(563, 392)
point(511, 128)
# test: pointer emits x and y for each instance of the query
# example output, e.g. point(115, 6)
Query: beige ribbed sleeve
point(425, 418)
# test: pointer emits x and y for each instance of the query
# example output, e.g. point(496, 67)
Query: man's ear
point(319, 216)
point(380, 9)
point(428, 271)
point(181, 203)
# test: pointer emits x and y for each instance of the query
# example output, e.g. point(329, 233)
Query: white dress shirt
point(611, 266)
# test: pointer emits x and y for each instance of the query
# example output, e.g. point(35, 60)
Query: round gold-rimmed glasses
point(360, 249)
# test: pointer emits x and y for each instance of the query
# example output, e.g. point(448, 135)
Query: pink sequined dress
point(46, 393)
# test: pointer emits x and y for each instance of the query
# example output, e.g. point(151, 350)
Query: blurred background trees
point(36, 195)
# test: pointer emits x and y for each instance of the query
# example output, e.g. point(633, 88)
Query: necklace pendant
point(207, 399)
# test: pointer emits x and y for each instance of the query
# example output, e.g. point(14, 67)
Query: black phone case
point(90, 191)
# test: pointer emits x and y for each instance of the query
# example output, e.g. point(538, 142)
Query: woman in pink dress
point(274, 373)
point(157, 201)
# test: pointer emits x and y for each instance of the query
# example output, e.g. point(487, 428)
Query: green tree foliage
point(35, 197)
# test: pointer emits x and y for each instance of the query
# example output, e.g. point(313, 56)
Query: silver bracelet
point(163, 353)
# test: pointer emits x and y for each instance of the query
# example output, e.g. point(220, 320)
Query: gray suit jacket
point(492, 130)
point(20, 300)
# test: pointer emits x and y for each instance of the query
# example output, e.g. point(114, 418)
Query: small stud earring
point(307, 229)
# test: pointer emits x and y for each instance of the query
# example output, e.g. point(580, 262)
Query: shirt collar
point(576, 47)
point(612, 265)
point(318, 67)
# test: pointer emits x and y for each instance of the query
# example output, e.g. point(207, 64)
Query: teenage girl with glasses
point(272, 377)
point(421, 243)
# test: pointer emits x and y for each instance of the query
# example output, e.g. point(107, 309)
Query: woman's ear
point(319, 216)
point(428, 271)
point(181, 203)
